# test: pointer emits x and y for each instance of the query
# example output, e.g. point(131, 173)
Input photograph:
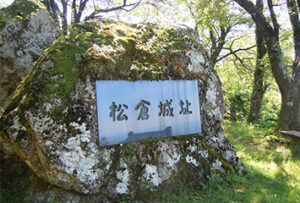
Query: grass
point(273, 170)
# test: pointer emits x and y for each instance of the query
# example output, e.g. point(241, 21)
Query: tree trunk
point(289, 118)
point(290, 108)
point(258, 80)
point(288, 84)
point(257, 92)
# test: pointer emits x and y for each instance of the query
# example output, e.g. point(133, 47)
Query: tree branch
point(273, 18)
point(279, 69)
point(74, 12)
point(82, 5)
point(241, 62)
point(52, 9)
point(218, 45)
point(63, 15)
point(213, 42)
point(122, 7)
point(234, 51)
point(94, 4)
point(193, 14)
point(257, 16)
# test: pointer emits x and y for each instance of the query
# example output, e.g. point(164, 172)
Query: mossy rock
point(19, 9)
point(51, 122)
point(26, 30)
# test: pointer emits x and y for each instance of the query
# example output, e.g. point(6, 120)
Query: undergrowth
point(273, 169)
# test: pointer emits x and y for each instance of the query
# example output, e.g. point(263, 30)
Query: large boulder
point(26, 30)
point(51, 122)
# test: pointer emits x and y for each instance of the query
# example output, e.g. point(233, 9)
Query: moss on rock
point(110, 51)
point(26, 30)
point(19, 9)
point(56, 105)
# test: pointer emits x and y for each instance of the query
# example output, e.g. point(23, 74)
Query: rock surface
point(26, 30)
point(51, 122)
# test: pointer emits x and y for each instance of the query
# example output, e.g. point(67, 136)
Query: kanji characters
point(185, 109)
point(121, 115)
point(143, 110)
point(117, 112)
point(165, 108)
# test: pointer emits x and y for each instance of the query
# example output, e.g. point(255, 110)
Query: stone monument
point(51, 122)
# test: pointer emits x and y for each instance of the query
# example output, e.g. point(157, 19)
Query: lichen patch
point(78, 161)
point(190, 159)
point(151, 175)
point(172, 161)
point(217, 166)
point(123, 176)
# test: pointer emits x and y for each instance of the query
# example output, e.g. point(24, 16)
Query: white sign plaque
point(132, 111)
